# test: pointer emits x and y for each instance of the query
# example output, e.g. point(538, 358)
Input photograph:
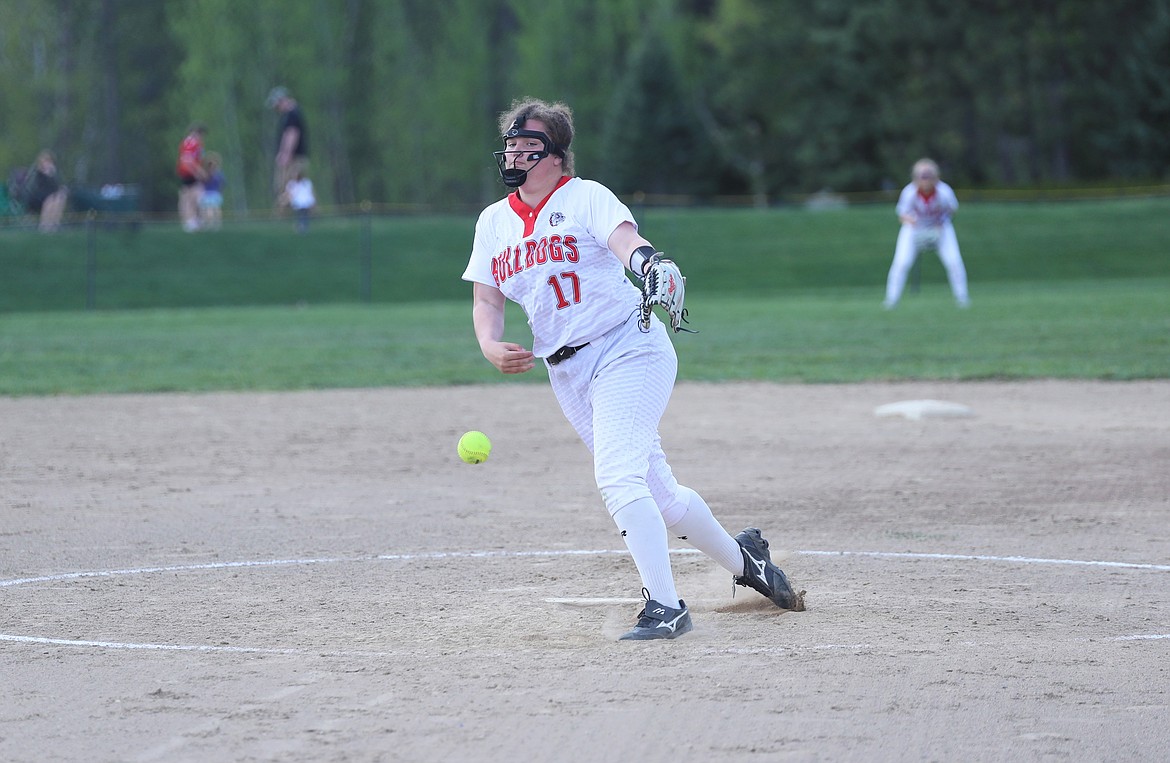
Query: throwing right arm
point(487, 313)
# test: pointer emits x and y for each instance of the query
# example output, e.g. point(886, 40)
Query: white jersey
point(554, 261)
point(930, 211)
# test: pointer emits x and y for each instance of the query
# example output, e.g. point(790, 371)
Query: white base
point(922, 409)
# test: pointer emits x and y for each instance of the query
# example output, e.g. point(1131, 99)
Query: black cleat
point(760, 574)
point(659, 621)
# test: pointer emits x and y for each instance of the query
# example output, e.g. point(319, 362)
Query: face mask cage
point(514, 177)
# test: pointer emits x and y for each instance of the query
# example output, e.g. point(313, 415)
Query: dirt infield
point(317, 577)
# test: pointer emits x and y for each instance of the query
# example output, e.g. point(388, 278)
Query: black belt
point(564, 353)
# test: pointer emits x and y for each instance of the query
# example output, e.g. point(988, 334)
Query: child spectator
point(299, 193)
point(211, 202)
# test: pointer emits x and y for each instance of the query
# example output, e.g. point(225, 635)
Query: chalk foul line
point(211, 648)
point(501, 554)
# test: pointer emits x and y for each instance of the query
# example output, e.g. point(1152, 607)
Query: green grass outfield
point(1112, 330)
point(1073, 290)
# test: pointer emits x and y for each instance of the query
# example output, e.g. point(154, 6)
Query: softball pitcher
point(925, 208)
point(559, 246)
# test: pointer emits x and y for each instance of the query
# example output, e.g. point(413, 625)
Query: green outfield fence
point(89, 207)
point(828, 198)
point(130, 259)
point(122, 258)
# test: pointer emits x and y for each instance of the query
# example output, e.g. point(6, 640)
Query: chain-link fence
point(106, 259)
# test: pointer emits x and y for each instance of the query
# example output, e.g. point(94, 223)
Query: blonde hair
point(558, 123)
point(924, 165)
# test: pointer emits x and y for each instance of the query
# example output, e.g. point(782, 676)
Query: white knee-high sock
point(645, 535)
point(699, 527)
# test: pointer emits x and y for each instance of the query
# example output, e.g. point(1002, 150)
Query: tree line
point(706, 98)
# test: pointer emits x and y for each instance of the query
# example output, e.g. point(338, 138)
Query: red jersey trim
point(529, 214)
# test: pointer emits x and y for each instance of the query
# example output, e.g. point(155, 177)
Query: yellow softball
point(475, 447)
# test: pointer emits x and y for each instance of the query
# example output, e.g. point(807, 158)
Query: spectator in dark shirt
point(44, 193)
point(292, 142)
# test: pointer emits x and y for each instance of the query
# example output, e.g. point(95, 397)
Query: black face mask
point(514, 177)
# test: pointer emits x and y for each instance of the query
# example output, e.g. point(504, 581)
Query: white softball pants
point(906, 252)
point(614, 393)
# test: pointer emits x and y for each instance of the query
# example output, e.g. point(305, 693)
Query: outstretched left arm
point(662, 282)
point(624, 240)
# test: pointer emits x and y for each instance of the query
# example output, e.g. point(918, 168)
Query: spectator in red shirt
point(191, 176)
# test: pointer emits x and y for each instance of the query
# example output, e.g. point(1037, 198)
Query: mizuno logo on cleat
point(659, 611)
point(760, 567)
